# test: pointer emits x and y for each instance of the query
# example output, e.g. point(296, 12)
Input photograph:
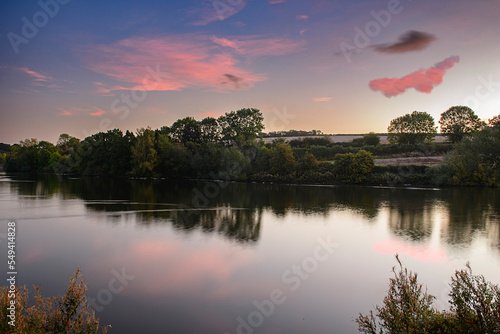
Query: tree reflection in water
point(236, 210)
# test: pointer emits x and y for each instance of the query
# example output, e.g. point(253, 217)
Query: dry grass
point(406, 161)
point(68, 314)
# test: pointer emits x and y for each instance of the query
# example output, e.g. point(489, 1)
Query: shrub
point(407, 308)
point(475, 161)
point(371, 139)
point(306, 163)
point(281, 159)
point(311, 141)
point(350, 167)
point(69, 313)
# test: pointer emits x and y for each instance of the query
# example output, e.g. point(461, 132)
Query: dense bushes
point(475, 161)
point(31, 156)
point(327, 153)
point(353, 168)
point(407, 308)
point(69, 313)
point(311, 141)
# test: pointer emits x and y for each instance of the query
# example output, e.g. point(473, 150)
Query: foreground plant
point(69, 313)
point(407, 308)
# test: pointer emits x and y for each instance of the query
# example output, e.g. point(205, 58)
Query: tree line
point(230, 148)
point(419, 127)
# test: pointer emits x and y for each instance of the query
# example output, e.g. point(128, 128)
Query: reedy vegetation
point(407, 307)
point(68, 313)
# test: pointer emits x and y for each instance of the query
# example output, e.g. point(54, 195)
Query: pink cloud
point(423, 80)
point(302, 17)
point(214, 114)
point(322, 99)
point(38, 77)
point(97, 112)
point(173, 63)
point(273, 2)
point(423, 253)
point(65, 112)
point(169, 63)
point(255, 46)
point(101, 89)
point(92, 111)
point(189, 268)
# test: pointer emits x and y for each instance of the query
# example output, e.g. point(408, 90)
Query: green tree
point(475, 160)
point(281, 159)
point(413, 128)
point(261, 162)
point(241, 127)
point(306, 163)
point(186, 130)
point(350, 167)
point(67, 144)
point(494, 122)
point(119, 148)
point(210, 130)
point(103, 153)
point(459, 121)
point(22, 157)
point(144, 155)
point(45, 151)
point(30, 156)
point(4, 148)
point(178, 163)
point(371, 139)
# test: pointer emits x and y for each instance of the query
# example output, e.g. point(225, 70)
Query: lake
point(160, 256)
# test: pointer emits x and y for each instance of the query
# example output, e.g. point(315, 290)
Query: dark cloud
point(410, 41)
point(234, 80)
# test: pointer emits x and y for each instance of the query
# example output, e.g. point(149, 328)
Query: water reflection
point(235, 210)
point(472, 212)
point(411, 213)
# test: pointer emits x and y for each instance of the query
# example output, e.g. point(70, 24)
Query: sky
point(342, 67)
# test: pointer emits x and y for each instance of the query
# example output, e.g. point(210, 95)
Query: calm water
point(201, 257)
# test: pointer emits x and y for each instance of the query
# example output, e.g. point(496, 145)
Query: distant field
point(348, 138)
point(420, 161)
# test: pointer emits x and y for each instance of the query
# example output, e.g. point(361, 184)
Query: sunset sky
point(80, 67)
